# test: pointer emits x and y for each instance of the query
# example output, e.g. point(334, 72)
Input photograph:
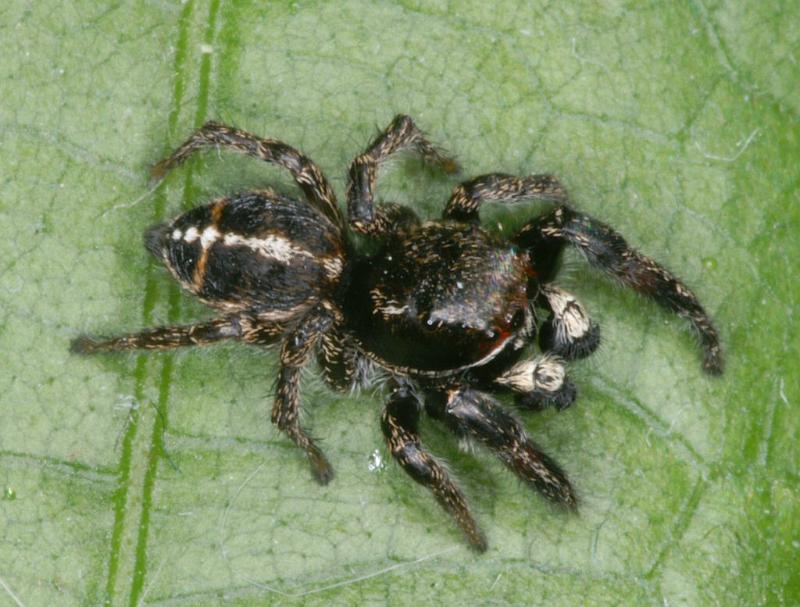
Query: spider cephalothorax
point(443, 308)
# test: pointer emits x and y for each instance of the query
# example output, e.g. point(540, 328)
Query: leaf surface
point(156, 479)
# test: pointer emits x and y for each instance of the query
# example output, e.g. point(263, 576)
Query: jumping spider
point(444, 308)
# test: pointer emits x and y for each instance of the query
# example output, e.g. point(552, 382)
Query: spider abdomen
point(255, 251)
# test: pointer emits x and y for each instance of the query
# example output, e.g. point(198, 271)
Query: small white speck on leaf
point(206, 49)
point(126, 402)
point(376, 463)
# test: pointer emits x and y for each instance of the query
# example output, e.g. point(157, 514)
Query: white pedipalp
point(572, 322)
point(545, 372)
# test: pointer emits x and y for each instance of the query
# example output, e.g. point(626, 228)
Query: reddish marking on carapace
point(487, 347)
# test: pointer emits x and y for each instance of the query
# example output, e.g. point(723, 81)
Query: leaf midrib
point(132, 556)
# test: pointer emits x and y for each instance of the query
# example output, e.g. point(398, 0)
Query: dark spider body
point(439, 299)
point(444, 308)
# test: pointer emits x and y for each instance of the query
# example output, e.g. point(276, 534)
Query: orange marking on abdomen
point(217, 208)
point(216, 211)
point(200, 270)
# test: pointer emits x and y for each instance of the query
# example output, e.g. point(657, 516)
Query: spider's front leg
point(475, 414)
point(467, 197)
point(365, 216)
point(400, 422)
point(607, 250)
point(295, 352)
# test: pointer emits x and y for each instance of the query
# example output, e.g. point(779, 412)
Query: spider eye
point(430, 324)
point(517, 320)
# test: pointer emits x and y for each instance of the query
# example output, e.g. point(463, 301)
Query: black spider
point(444, 308)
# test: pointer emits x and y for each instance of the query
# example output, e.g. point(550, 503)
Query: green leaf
point(157, 479)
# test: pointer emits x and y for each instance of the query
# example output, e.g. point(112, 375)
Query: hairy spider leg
point(400, 422)
point(338, 359)
point(569, 332)
point(607, 250)
point(363, 214)
point(475, 414)
point(248, 328)
point(163, 338)
point(295, 352)
point(467, 197)
point(306, 173)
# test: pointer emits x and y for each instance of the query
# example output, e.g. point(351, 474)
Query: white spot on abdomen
point(272, 247)
point(209, 236)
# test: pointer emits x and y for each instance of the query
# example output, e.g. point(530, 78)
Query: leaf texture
point(157, 480)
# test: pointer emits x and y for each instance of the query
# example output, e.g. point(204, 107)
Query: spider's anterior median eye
point(517, 320)
point(432, 324)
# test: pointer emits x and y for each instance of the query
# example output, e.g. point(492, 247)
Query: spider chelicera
point(443, 308)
